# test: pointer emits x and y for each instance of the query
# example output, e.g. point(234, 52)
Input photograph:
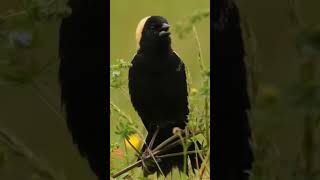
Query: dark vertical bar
point(83, 79)
point(232, 154)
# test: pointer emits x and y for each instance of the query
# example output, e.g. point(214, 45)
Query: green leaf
point(124, 129)
point(185, 27)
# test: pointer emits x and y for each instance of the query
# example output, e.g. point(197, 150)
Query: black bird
point(232, 153)
point(158, 89)
point(83, 80)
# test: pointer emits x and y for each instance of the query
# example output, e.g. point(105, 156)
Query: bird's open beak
point(164, 30)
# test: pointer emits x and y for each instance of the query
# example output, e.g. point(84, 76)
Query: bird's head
point(153, 31)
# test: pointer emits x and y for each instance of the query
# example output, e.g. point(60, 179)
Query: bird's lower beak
point(164, 30)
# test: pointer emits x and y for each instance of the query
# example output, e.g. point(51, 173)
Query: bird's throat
point(162, 47)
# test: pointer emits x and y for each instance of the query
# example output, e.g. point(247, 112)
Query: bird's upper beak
point(164, 30)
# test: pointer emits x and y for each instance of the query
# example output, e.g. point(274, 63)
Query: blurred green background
point(125, 16)
point(32, 115)
point(29, 112)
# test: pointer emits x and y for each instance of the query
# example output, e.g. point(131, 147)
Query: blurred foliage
point(300, 96)
point(308, 98)
point(185, 26)
point(117, 73)
point(124, 130)
point(265, 153)
point(19, 66)
point(308, 40)
point(13, 152)
point(19, 35)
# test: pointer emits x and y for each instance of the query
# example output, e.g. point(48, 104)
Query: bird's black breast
point(158, 89)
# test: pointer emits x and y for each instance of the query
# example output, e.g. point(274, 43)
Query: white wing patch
point(180, 64)
point(177, 54)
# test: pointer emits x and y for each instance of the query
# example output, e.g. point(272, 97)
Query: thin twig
point(118, 110)
point(132, 166)
point(149, 150)
point(199, 47)
point(37, 91)
point(204, 164)
point(158, 150)
point(166, 142)
point(175, 143)
point(139, 163)
point(19, 13)
point(178, 154)
point(36, 163)
point(137, 151)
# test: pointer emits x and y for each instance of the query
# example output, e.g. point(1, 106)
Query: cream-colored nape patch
point(140, 29)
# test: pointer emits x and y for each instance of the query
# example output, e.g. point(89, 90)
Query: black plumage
point(83, 81)
point(232, 153)
point(158, 88)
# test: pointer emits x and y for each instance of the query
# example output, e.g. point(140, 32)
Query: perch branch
point(165, 145)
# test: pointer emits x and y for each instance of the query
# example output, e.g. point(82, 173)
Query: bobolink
point(158, 89)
